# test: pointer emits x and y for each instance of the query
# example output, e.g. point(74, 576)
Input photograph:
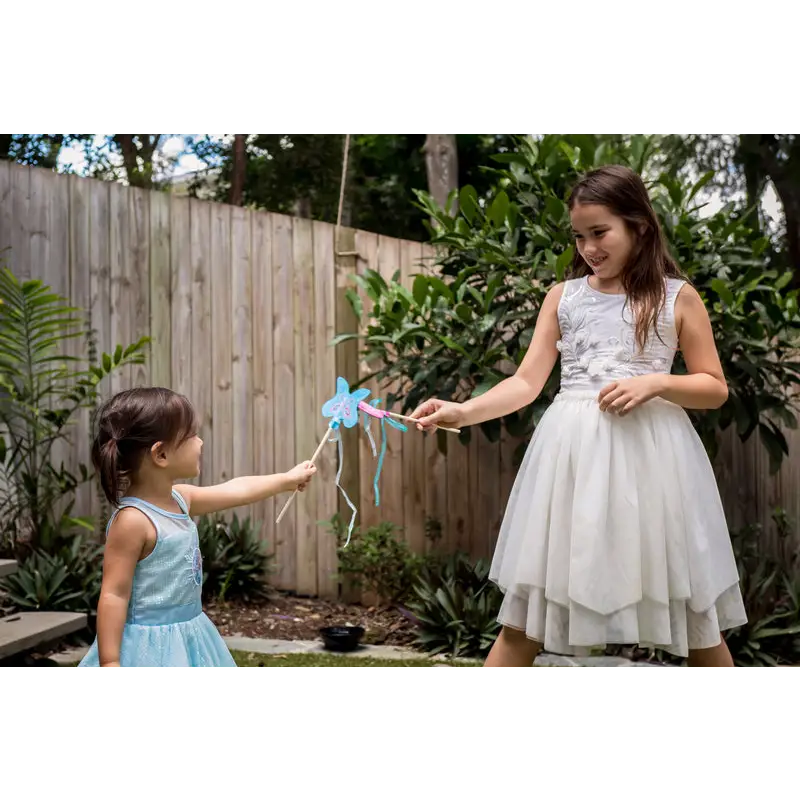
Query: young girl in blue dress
point(150, 613)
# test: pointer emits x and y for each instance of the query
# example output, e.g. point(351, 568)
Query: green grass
point(333, 661)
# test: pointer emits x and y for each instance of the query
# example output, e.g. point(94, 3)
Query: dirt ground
point(288, 617)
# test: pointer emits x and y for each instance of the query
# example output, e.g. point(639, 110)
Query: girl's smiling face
point(603, 239)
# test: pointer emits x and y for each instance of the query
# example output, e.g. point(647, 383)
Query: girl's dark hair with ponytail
point(128, 425)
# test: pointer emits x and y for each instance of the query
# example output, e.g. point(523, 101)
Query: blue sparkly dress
point(166, 626)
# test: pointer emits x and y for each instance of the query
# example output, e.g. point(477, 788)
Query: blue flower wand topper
point(343, 409)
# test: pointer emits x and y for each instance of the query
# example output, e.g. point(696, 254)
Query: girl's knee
point(514, 635)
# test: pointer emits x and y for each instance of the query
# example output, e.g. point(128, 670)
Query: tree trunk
point(789, 194)
point(754, 176)
point(236, 197)
point(6, 140)
point(137, 175)
point(441, 163)
point(302, 208)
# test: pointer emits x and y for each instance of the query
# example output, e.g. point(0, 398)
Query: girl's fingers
point(629, 406)
point(611, 398)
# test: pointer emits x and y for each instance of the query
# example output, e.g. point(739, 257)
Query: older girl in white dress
point(614, 531)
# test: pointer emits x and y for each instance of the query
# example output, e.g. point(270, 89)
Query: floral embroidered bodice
point(598, 339)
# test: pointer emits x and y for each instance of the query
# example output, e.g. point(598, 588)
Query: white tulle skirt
point(615, 533)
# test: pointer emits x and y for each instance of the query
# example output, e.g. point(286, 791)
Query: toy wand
point(313, 459)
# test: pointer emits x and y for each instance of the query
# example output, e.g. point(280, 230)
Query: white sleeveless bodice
point(598, 339)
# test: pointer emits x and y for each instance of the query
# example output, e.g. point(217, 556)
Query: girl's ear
point(158, 454)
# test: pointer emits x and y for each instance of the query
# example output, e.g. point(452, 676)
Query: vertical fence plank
point(488, 496)
point(241, 273)
point(347, 366)
point(308, 421)
point(19, 258)
point(58, 270)
point(392, 491)
point(40, 221)
point(120, 276)
point(324, 387)
point(221, 402)
point(414, 491)
point(161, 291)
point(56, 276)
point(100, 288)
point(139, 297)
point(436, 446)
point(80, 295)
point(196, 341)
point(283, 377)
point(460, 506)
point(366, 244)
point(6, 211)
point(263, 393)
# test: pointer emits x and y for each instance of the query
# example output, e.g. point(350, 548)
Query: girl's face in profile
point(602, 238)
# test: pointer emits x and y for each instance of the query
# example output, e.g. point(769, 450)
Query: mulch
point(284, 616)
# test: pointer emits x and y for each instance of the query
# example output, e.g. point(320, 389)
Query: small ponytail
point(106, 461)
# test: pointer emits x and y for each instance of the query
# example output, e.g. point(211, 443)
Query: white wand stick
point(313, 459)
point(415, 421)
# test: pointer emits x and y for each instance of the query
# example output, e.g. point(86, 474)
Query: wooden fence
point(241, 307)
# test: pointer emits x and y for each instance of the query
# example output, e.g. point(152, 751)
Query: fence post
point(346, 357)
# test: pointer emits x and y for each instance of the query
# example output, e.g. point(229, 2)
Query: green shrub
point(771, 590)
point(42, 390)
point(377, 560)
point(66, 579)
point(235, 562)
point(456, 607)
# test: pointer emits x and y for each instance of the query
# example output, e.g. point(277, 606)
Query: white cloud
point(72, 158)
point(173, 146)
point(188, 162)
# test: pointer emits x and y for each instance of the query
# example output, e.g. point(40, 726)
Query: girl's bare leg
point(512, 649)
point(718, 656)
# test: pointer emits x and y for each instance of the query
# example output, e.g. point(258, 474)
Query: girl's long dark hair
point(128, 425)
point(623, 192)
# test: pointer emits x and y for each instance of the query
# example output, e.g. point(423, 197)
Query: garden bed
point(284, 616)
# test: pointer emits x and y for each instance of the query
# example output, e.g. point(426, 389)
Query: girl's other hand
point(621, 397)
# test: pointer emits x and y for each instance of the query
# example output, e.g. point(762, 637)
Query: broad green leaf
point(499, 208)
point(420, 289)
point(563, 262)
point(721, 288)
point(709, 176)
point(468, 201)
point(343, 337)
point(356, 303)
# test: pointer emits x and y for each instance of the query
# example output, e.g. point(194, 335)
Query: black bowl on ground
point(341, 638)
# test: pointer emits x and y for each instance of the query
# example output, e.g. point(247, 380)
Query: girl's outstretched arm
point(244, 491)
point(125, 543)
point(513, 393)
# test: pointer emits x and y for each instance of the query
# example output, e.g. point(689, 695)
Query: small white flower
point(597, 367)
